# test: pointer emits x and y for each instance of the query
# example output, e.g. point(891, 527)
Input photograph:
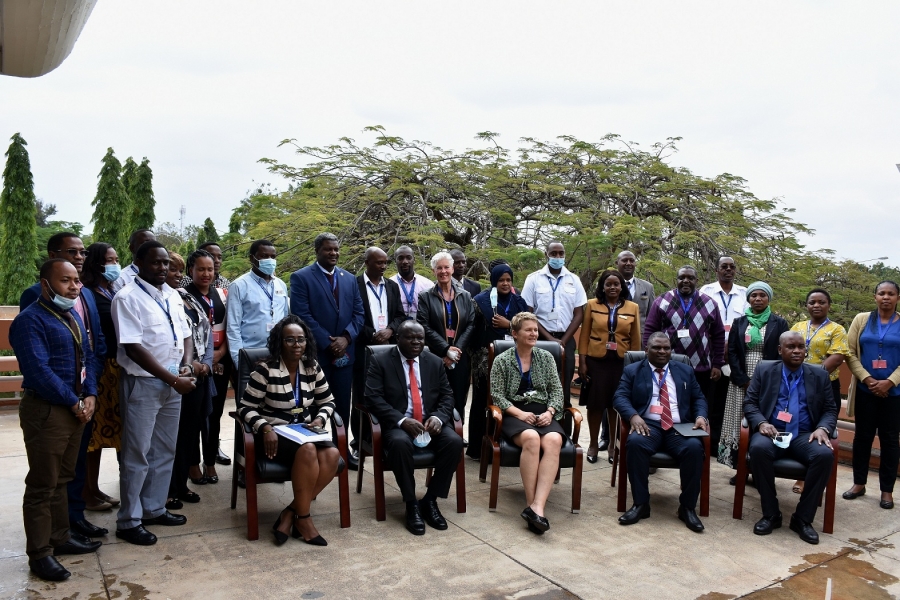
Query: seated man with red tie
point(654, 395)
point(408, 391)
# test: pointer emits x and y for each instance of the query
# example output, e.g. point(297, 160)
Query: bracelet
point(174, 381)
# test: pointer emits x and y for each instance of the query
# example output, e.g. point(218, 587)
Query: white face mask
point(61, 302)
point(783, 440)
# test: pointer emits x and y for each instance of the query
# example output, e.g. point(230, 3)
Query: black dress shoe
point(48, 569)
point(166, 518)
point(635, 514)
point(222, 458)
point(353, 460)
point(535, 520)
point(851, 495)
point(603, 445)
point(174, 504)
point(88, 529)
point(189, 496)
point(804, 530)
point(887, 504)
point(534, 529)
point(766, 525)
point(202, 480)
point(77, 545)
point(690, 519)
point(241, 480)
point(414, 522)
point(136, 535)
point(431, 514)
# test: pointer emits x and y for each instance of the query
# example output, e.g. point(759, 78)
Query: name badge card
point(553, 315)
point(382, 322)
point(451, 333)
point(727, 328)
point(612, 346)
point(784, 416)
point(879, 364)
point(269, 326)
point(656, 409)
point(83, 374)
point(684, 334)
point(747, 338)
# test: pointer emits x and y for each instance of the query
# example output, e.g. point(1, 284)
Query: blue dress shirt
point(792, 399)
point(253, 305)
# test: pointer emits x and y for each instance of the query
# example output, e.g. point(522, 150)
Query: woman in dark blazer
point(447, 314)
point(753, 337)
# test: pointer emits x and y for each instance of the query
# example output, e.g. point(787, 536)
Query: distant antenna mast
point(183, 211)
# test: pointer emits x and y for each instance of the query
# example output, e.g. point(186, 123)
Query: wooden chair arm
point(340, 434)
point(496, 414)
point(457, 423)
point(576, 423)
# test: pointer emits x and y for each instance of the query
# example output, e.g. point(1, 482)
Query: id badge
point(784, 416)
point(451, 333)
point(684, 334)
point(747, 338)
point(382, 322)
point(879, 364)
point(83, 374)
point(611, 346)
point(270, 326)
point(656, 409)
point(553, 315)
point(727, 328)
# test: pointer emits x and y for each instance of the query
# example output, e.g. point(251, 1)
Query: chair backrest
point(248, 358)
point(500, 346)
point(633, 356)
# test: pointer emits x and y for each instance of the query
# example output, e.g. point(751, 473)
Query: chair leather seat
point(661, 460)
point(510, 454)
point(270, 469)
point(786, 468)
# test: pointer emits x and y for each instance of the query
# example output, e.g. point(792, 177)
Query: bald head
point(376, 263)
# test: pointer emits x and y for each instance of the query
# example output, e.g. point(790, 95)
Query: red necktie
point(414, 392)
point(666, 416)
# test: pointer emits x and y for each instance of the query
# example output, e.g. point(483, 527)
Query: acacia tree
point(112, 210)
point(18, 218)
point(140, 193)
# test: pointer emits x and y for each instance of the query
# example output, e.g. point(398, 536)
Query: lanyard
point(297, 389)
point(106, 293)
point(377, 294)
point(165, 309)
point(212, 312)
point(449, 305)
point(505, 308)
point(686, 309)
point(809, 338)
point(269, 295)
point(554, 287)
point(333, 281)
point(409, 293)
point(612, 318)
point(662, 381)
point(522, 373)
point(75, 333)
point(882, 331)
point(724, 303)
point(790, 387)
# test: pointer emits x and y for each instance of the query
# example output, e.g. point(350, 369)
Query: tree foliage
point(140, 193)
point(18, 209)
point(207, 233)
point(112, 209)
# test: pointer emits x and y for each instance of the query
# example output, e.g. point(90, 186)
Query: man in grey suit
point(790, 396)
point(643, 295)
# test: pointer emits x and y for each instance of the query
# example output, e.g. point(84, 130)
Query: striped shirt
point(269, 396)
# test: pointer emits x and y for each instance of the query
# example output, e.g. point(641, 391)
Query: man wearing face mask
point(793, 397)
point(256, 301)
point(556, 296)
point(59, 376)
point(69, 247)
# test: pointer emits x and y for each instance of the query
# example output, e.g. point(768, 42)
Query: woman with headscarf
point(492, 323)
point(753, 337)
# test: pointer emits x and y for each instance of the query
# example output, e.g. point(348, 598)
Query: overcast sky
point(801, 99)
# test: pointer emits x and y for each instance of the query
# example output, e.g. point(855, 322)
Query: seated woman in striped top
point(283, 390)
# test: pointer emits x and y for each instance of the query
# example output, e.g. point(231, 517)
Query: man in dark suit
point(383, 315)
point(327, 298)
point(790, 396)
point(68, 246)
point(654, 395)
point(408, 391)
point(459, 273)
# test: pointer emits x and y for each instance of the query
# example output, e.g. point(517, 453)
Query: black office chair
point(497, 451)
point(660, 460)
point(254, 464)
point(370, 444)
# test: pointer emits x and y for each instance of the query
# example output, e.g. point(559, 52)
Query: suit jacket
point(737, 347)
point(312, 301)
point(636, 389)
point(471, 286)
point(395, 314)
point(644, 296)
point(386, 391)
point(759, 402)
point(31, 295)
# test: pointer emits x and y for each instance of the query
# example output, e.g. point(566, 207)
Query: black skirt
point(513, 426)
point(604, 374)
point(287, 449)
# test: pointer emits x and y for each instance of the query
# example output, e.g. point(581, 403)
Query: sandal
point(798, 487)
point(281, 537)
point(316, 541)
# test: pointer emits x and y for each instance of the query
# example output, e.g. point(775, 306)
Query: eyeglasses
point(291, 341)
point(727, 267)
point(73, 252)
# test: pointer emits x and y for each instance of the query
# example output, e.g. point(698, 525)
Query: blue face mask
point(61, 302)
point(267, 266)
point(557, 263)
point(112, 272)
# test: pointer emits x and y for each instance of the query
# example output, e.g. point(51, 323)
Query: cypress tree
point(18, 218)
point(140, 192)
point(207, 233)
point(112, 210)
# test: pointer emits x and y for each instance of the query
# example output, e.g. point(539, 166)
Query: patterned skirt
point(107, 417)
point(734, 412)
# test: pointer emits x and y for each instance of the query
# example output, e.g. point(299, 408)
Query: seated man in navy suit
point(653, 395)
point(793, 397)
point(409, 392)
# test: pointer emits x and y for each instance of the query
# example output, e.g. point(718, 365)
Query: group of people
point(139, 359)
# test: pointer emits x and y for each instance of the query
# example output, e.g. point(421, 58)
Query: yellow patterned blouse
point(829, 339)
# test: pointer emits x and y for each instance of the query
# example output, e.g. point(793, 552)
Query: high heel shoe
point(316, 541)
point(281, 537)
point(592, 458)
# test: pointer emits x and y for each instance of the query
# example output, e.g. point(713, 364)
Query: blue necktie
point(794, 403)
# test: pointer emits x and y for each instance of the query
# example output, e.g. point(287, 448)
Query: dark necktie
point(665, 419)
point(334, 289)
point(73, 327)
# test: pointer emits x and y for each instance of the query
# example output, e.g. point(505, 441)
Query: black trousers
point(460, 378)
point(718, 391)
point(358, 394)
point(477, 418)
point(688, 451)
point(209, 434)
point(568, 368)
point(882, 416)
point(447, 448)
point(817, 457)
point(190, 422)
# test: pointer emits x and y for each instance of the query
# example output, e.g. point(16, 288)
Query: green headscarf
point(757, 322)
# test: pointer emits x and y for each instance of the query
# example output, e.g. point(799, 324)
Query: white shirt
point(538, 293)
point(418, 374)
point(139, 319)
point(125, 277)
point(673, 397)
point(407, 293)
point(731, 305)
point(378, 307)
